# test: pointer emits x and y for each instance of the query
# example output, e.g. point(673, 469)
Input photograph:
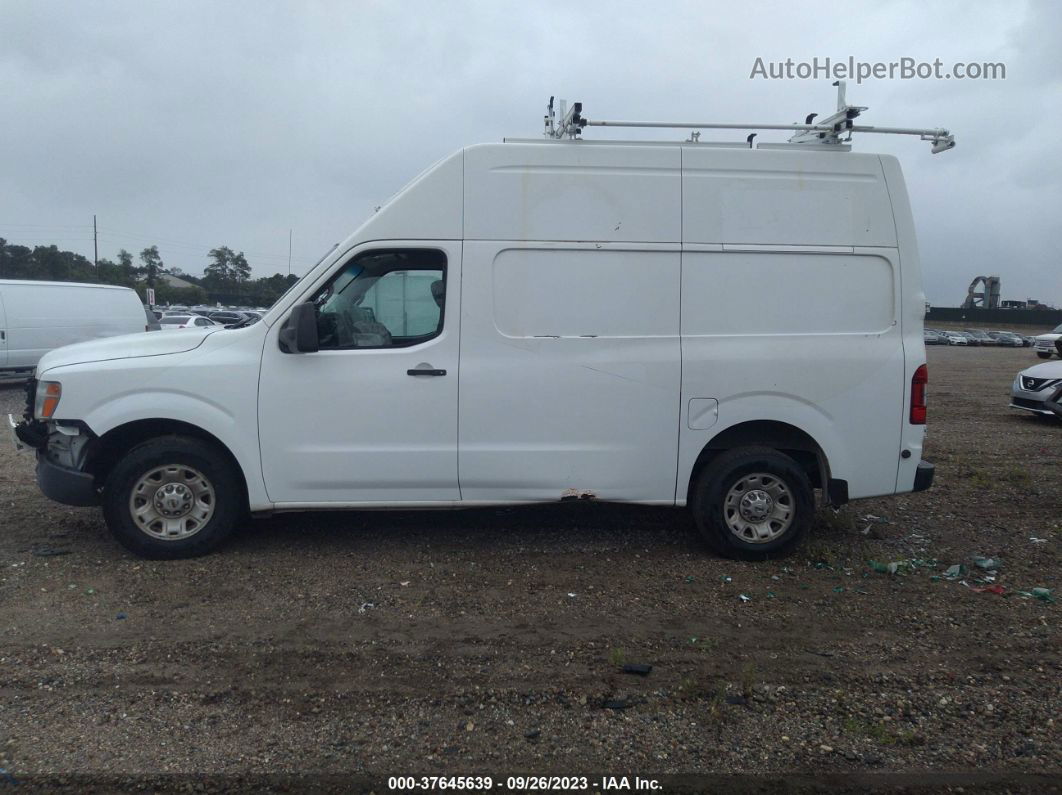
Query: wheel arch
point(106, 449)
point(795, 442)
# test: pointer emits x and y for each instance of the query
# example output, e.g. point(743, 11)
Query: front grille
point(1032, 384)
point(1025, 403)
point(31, 398)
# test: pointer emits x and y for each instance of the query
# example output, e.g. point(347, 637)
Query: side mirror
point(299, 332)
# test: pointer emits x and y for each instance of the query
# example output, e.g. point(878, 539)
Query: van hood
point(126, 346)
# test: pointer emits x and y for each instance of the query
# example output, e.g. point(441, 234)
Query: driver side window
point(389, 298)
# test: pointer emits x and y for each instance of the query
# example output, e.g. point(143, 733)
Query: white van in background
point(678, 324)
point(36, 317)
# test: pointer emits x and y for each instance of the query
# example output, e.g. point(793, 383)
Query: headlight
point(48, 394)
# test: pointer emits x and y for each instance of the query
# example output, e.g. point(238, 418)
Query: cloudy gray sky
point(193, 125)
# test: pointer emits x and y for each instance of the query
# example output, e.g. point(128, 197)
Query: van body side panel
point(569, 371)
point(784, 198)
point(912, 319)
point(3, 330)
point(45, 316)
point(791, 306)
point(802, 338)
point(568, 192)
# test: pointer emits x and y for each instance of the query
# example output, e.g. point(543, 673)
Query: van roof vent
point(835, 129)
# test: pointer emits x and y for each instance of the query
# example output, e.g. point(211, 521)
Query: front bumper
point(1046, 402)
point(923, 476)
point(57, 480)
point(65, 485)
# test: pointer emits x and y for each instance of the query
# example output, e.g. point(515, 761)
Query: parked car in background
point(227, 318)
point(981, 336)
point(187, 321)
point(956, 338)
point(1006, 338)
point(970, 338)
point(36, 317)
point(930, 337)
point(152, 320)
point(1039, 389)
point(1045, 344)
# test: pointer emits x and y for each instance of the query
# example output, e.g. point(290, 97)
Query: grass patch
point(1017, 476)
point(749, 678)
point(617, 657)
point(880, 733)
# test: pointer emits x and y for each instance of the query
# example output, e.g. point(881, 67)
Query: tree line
point(226, 278)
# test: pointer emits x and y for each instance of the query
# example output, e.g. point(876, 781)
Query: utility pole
point(289, 252)
point(95, 248)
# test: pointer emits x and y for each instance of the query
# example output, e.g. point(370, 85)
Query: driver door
point(372, 416)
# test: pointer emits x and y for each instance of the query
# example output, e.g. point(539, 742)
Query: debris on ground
point(366, 606)
point(988, 564)
point(1043, 594)
point(637, 668)
point(49, 552)
point(745, 598)
point(996, 589)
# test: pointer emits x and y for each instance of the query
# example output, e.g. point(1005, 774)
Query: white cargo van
point(36, 317)
point(680, 324)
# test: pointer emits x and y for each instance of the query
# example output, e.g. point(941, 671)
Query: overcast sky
point(193, 125)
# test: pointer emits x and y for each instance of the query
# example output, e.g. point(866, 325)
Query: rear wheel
point(1043, 355)
point(172, 497)
point(753, 503)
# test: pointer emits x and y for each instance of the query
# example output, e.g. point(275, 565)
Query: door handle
point(425, 371)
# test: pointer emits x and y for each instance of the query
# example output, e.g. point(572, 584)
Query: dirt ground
point(492, 641)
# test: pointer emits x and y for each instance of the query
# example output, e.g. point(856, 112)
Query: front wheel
point(172, 497)
point(753, 503)
point(1043, 355)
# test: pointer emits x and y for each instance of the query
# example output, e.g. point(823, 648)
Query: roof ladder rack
point(835, 129)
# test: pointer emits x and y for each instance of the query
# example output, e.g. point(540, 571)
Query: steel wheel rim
point(759, 508)
point(172, 502)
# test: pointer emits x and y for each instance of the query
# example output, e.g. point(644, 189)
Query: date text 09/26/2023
point(523, 783)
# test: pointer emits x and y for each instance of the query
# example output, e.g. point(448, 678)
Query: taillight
point(918, 395)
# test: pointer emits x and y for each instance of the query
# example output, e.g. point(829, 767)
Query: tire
point(1043, 355)
point(779, 480)
point(189, 498)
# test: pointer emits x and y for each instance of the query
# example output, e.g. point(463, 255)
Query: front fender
point(214, 388)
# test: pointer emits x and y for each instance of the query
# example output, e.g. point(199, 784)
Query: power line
point(186, 244)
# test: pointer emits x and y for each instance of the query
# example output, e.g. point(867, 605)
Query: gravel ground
point(492, 640)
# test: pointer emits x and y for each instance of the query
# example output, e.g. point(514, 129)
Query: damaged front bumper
point(61, 450)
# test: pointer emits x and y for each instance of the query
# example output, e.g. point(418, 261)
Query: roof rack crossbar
point(828, 131)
